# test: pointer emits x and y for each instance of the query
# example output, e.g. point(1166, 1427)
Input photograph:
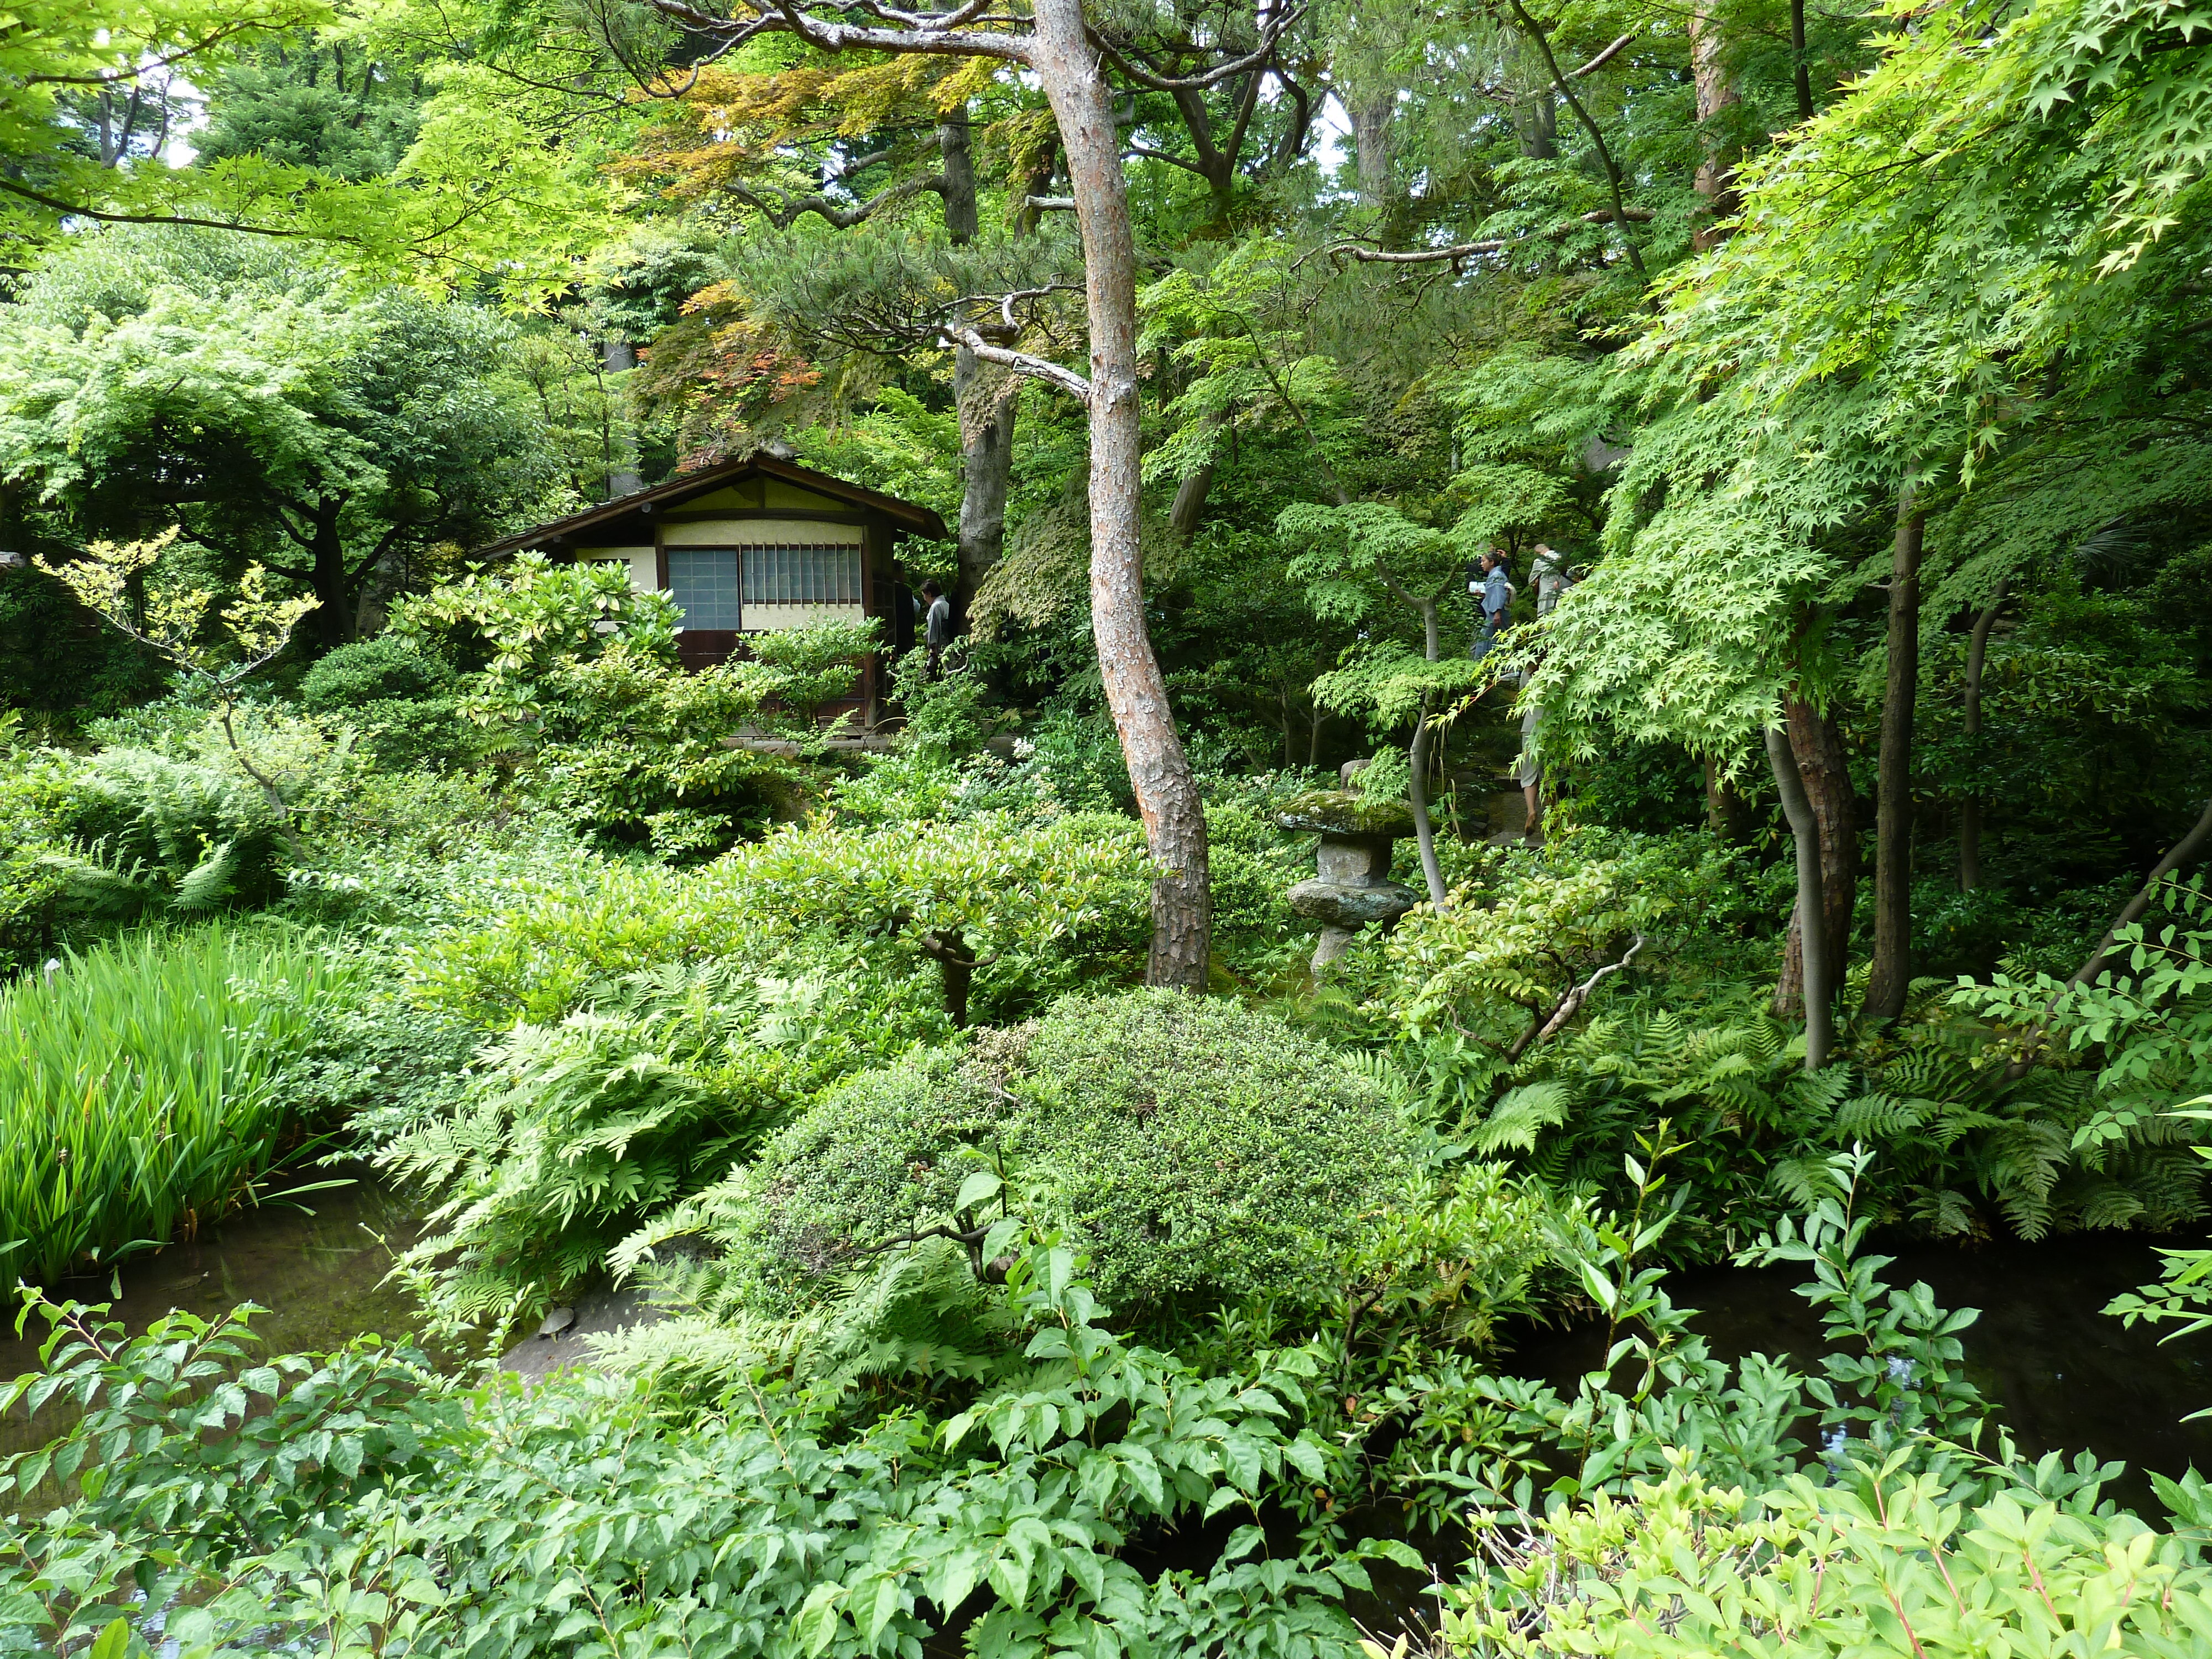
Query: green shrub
point(402, 698)
point(566, 1138)
point(1036, 909)
point(138, 1096)
point(405, 733)
point(374, 670)
point(1193, 1149)
point(35, 790)
point(1882, 1561)
point(634, 749)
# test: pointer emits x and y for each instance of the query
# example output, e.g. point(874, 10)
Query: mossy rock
point(1340, 812)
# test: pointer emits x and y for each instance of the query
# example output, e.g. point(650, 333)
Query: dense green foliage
point(1831, 385)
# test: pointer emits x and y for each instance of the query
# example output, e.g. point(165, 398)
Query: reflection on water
point(2064, 1375)
point(316, 1263)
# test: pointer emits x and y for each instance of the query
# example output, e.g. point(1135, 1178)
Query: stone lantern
point(1352, 887)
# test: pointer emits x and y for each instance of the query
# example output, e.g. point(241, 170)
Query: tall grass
point(137, 1089)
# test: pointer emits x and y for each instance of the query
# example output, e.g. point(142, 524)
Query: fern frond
point(210, 881)
point(1877, 1118)
point(1521, 1113)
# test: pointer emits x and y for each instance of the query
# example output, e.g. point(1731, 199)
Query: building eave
point(576, 528)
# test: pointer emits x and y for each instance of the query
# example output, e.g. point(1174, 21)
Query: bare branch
point(940, 33)
point(1051, 204)
point(1021, 363)
point(1458, 250)
point(1537, 39)
point(1571, 1003)
point(1602, 58)
point(1271, 33)
point(838, 215)
point(140, 70)
point(1162, 155)
point(76, 211)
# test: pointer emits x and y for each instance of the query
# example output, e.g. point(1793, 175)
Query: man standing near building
point(936, 624)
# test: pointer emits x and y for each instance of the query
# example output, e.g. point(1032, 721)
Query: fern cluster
point(1963, 1145)
point(569, 1137)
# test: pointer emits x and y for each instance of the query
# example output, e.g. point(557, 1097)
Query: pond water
point(316, 1263)
point(2064, 1375)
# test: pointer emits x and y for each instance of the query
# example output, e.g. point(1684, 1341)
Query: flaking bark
point(1136, 694)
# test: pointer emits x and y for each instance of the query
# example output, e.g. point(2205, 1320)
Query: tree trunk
point(1970, 804)
point(1892, 858)
point(1159, 771)
point(1809, 921)
point(984, 395)
point(1728, 814)
point(1825, 774)
point(1798, 57)
point(623, 476)
point(1370, 139)
point(1190, 500)
point(2182, 851)
point(956, 961)
point(1535, 109)
point(1417, 788)
point(1191, 492)
point(334, 587)
point(985, 400)
point(1715, 91)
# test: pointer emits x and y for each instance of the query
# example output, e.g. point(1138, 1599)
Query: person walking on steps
point(1493, 591)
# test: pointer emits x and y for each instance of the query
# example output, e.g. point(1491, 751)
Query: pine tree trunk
point(1817, 745)
point(981, 394)
point(1535, 107)
point(1159, 771)
point(616, 357)
point(1370, 139)
point(1715, 91)
point(1892, 859)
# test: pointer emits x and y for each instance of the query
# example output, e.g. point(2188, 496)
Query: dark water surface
point(2064, 1375)
point(316, 1263)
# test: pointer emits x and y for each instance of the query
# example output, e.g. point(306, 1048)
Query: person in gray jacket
point(1494, 592)
point(936, 624)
